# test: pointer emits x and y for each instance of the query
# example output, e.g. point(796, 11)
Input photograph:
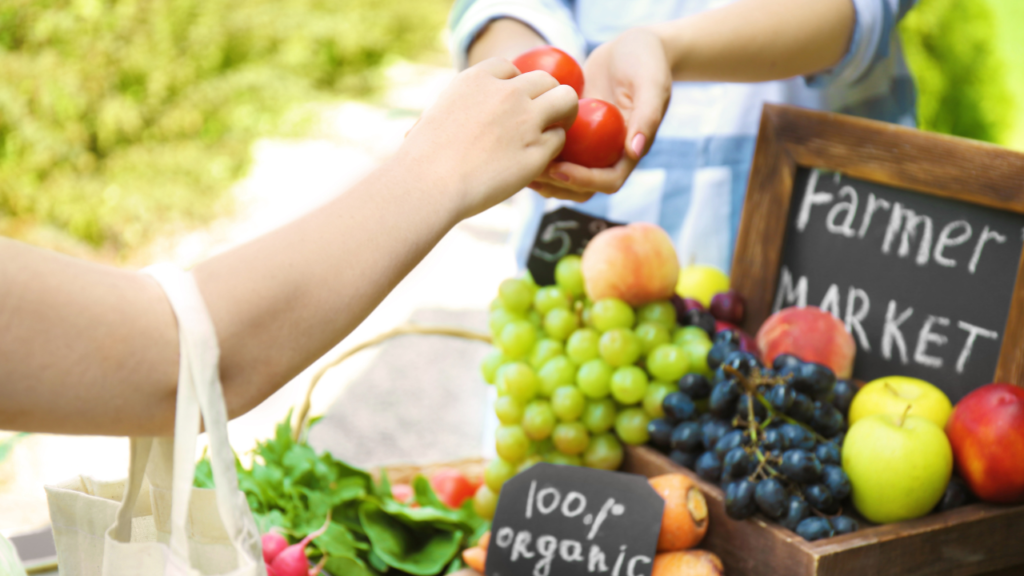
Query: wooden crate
point(979, 539)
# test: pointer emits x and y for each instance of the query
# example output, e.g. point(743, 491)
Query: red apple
point(728, 306)
point(986, 430)
point(810, 334)
point(635, 263)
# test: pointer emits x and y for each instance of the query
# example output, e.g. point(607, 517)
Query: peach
point(810, 334)
point(635, 263)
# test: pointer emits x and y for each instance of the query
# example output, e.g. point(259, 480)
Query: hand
point(490, 133)
point(633, 73)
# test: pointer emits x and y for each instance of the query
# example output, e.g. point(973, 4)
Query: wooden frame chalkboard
point(942, 166)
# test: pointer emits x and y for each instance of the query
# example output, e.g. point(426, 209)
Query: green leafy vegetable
point(292, 487)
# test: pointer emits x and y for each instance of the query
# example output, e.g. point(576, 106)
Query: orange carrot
point(685, 519)
point(476, 558)
point(484, 540)
point(687, 563)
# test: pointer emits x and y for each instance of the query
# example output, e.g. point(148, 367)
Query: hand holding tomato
point(632, 73)
point(488, 134)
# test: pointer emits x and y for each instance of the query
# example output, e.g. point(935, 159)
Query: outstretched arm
point(746, 41)
point(87, 348)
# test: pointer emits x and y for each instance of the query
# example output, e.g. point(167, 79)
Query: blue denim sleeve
point(552, 19)
point(874, 32)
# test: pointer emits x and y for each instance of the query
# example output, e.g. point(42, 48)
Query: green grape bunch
point(576, 379)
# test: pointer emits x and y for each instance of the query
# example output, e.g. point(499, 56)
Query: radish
point(292, 560)
point(273, 544)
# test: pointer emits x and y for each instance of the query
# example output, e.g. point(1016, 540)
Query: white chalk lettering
point(631, 571)
point(926, 337)
point(570, 497)
point(830, 303)
point(972, 334)
point(924, 248)
point(556, 497)
point(571, 551)
point(602, 515)
point(504, 537)
point(595, 560)
point(846, 228)
point(891, 332)
point(618, 561)
point(986, 235)
point(909, 221)
point(546, 546)
point(811, 199)
point(855, 315)
point(529, 499)
point(874, 204)
point(521, 546)
point(946, 240)
point(787, 294)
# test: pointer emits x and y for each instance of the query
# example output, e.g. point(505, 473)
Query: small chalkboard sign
point(563, 231)
point(555, 520)
point(913, 240)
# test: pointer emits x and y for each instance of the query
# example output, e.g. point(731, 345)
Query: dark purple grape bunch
point(769, 436)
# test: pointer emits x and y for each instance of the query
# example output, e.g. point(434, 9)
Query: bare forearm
point(92, 349)
point(758, 40)
point(316, 279)
point(505, 38)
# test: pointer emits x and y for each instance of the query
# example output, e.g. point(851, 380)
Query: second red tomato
point(554, 62)
point(598, 136)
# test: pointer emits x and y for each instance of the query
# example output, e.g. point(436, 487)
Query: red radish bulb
point(292, 560)
point(402, 492)
point(273, 544)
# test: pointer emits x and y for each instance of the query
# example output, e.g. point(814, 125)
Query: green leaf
point(338, 541)
point(422, 552)
point(377, 562)
point(204, 474)
point(348, 566)
point(455, 566)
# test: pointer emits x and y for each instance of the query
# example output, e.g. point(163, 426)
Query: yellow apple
point(701, 283)
point(898, 466)
point(891, 395)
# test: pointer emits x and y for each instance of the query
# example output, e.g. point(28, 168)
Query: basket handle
point(302, 420)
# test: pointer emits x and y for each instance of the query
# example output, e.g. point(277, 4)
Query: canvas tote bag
point(156, 523)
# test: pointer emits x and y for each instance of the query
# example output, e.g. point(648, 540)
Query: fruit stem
point(785, 418)
point(903, 417)
point(890, 388)
point(763, 463)
point(751, 423)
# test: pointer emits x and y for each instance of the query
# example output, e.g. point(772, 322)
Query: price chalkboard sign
point(555, 520)
point(563, 231)
point(913, 240)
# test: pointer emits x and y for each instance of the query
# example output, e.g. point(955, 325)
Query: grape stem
point(750, 387)
point(790, 420)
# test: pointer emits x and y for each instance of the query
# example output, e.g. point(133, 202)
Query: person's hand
point(633, 73)
point(490, 133)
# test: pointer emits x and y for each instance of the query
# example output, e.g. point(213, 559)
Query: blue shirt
point(693, 180)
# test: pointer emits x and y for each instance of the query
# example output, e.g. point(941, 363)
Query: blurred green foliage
point(123, 119)
point(954, 52)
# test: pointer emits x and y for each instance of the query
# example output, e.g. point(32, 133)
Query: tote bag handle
point(199, 396)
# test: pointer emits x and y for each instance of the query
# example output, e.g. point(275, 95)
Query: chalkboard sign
point(913, 240)
point(563, 231)
point(922, 283)
point(555, 520)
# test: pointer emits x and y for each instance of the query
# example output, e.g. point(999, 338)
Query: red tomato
point(452, 487)
point(598, 136)
point(554, 62)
